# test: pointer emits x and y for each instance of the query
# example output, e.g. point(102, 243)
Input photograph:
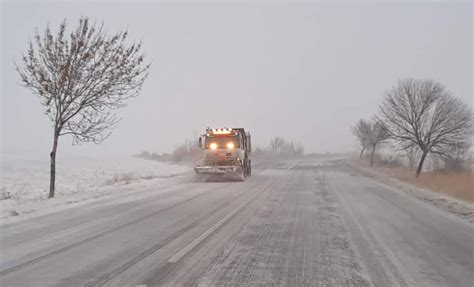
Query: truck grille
point(224, 162)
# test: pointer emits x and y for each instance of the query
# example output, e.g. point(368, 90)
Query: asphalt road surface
point(306, 223)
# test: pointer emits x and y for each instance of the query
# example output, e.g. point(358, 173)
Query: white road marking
point(208, 232)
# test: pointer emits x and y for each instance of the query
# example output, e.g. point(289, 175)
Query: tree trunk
point(420, 164)
point(52, 175)
point(372, 156)
point(362, 152)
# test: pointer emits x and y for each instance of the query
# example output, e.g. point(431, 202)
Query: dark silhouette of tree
point(276, 144)
point(370, 134)
point(362, 132)
point(81, 80)
point(423, 113)
point(377, 136)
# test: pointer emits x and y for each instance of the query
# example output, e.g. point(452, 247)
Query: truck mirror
point(200, 142)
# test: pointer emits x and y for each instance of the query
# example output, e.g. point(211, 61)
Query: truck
point(226, 152)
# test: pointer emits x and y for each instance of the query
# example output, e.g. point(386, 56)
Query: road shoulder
point(459, 208)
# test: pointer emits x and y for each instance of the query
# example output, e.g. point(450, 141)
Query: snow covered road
point(304, 223)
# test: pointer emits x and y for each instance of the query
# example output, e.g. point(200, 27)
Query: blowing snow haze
point(333, 143)
point(305, 72)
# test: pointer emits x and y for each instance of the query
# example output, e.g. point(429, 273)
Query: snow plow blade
point(217, 169)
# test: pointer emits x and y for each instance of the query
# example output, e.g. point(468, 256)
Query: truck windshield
point(222, 142)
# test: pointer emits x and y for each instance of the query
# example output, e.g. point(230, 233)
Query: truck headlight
point(230, 145)
point(213, 146)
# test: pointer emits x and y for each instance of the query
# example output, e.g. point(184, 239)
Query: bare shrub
point(125, 178)
point(4, 195)
point(391, 161)
point(179, 154)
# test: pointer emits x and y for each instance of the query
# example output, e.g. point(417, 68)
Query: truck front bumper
point(217, 169)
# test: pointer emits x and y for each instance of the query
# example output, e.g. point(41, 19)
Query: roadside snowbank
point(24, 181)
point(459, 208)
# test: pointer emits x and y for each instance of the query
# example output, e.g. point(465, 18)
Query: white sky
point(306, 72)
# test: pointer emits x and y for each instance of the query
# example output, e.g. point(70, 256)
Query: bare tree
point(456, 156)
point(378, 136)
point(299, 149)
point(370, 134)
point(423, 113)
point(362, 132)
point(276, 144)
point(81, 80)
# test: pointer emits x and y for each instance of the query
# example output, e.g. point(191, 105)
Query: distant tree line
point(186, 152)
point(279, 148)
point(420, 118)
point(190, 151)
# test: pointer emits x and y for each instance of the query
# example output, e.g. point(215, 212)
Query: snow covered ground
point(24, 180)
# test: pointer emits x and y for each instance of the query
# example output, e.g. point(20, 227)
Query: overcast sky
point(305, 72)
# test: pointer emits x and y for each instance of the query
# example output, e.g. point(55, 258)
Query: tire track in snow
point(386, 260)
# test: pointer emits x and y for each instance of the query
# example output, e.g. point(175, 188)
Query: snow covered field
point(24, 180)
